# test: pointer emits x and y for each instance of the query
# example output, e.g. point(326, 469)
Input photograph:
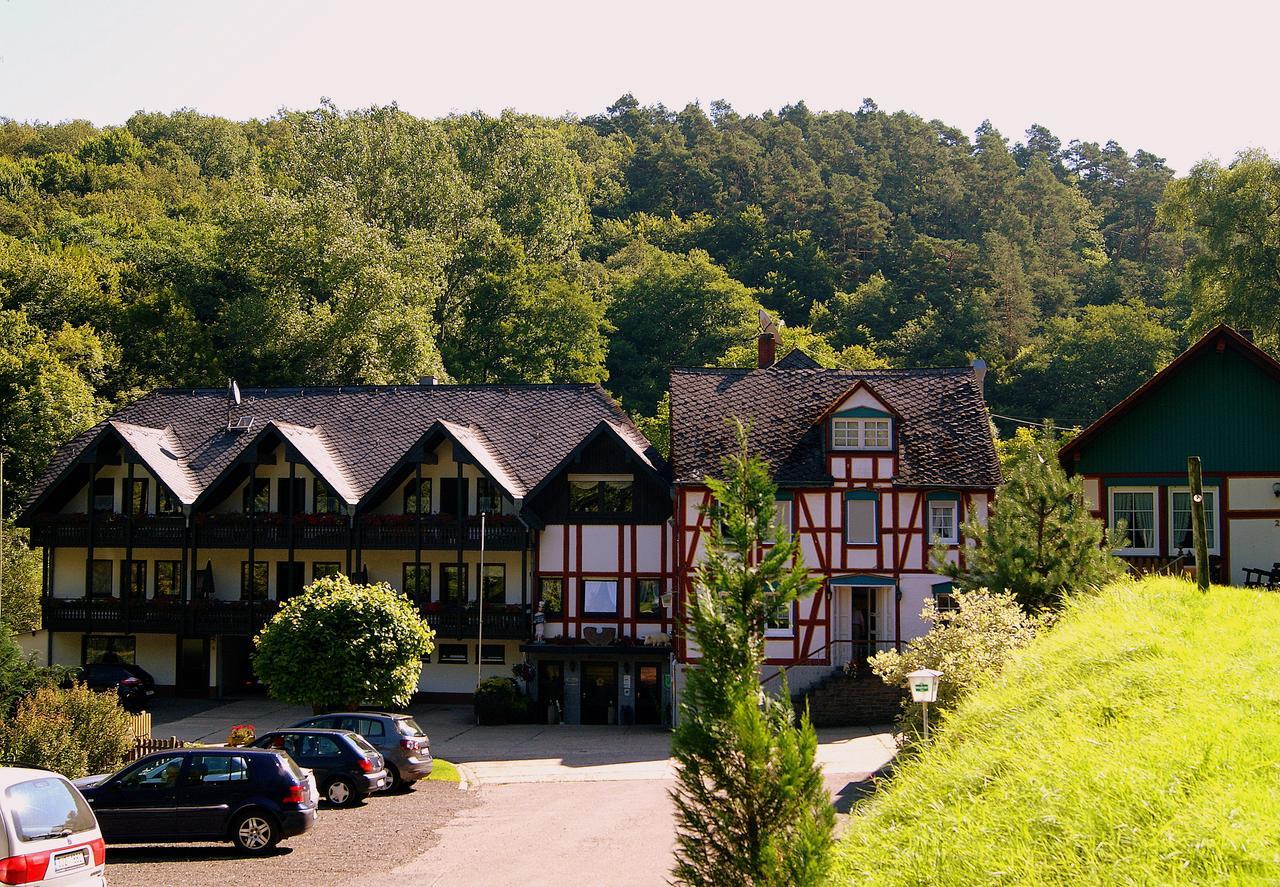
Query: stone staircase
point(846, 700)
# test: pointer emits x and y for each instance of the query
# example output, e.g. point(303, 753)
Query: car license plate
point(77, 859)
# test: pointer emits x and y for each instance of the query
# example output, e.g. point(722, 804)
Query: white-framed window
point(600, 596)
point(781, 622)
point(1180, 519)
point(859, 433)
point(1135, 507)
point(860, 522)
point(943, 519)
point(782, 511)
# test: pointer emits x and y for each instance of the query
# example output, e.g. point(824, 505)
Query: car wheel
point(255, 832)
point(339, 793)
point(397, 784)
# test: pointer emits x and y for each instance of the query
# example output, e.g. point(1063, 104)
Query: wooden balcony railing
point(379, 531)
point(190, 617)
point(499, 623)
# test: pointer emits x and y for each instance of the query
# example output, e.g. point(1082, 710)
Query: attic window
point(601, 493)
point(860, 433)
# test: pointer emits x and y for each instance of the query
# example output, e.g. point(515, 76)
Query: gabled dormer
point(861, 422)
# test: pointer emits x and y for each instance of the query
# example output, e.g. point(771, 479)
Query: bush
point(340, 645)
point(499, 701)
point(20, 676)
point(76, 732)
point(968, 646)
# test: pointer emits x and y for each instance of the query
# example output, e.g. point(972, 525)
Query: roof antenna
point(240, 423)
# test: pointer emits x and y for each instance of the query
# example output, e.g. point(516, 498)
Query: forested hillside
point(324, 247)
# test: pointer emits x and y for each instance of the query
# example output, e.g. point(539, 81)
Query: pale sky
point(1184, 80)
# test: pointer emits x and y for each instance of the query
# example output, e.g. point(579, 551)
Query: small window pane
point(453, 583)
point(1136, 509)
point(326, 500)
point(782, 510)
point(942, 522)
point(488, 496)
point(844, 434)
point(495, 584)
point(493, 654)
point(166, 502)
point(102, 583)
point(325, 570)
point(649, 598)
point(168, 578)
point(600, 596)
point(780, 620)
point(258, 589)
point(552, 595)
point(417, 495)
point(860, 521)
point(453, 653)
point(104, 494)
point(136, 501)
point(260, 499)
point(111, 649)
point(417, 582)
point(133, 579)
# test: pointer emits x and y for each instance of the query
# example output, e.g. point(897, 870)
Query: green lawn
point(443, 771)
point(1137, 742)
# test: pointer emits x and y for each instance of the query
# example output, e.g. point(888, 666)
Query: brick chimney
point(766, 349)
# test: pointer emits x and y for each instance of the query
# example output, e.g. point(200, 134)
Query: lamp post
point(924, 689)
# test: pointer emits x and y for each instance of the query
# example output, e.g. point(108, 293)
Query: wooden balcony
point(158, 616)
point(399, 532)
point(500, 623)
point(109, 531)
point(271, 530)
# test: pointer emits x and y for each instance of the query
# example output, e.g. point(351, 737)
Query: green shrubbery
point(499, 701)
point(340, 645)
point(75, 732)
point(968, 646)
point(1134, 742)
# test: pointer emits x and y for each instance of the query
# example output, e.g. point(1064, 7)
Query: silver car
point(401, 741)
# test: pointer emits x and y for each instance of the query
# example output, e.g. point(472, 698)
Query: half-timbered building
point(874, 469)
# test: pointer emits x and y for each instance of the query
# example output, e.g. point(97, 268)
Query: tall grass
point(1137, 742)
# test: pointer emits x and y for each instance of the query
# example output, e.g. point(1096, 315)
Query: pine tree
point(751, 808)
point(1039, 542)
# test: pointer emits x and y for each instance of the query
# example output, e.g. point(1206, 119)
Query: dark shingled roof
point(944, 438)
point(528, 430)
point(797, 359)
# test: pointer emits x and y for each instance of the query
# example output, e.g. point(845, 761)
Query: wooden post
point(1196, 482)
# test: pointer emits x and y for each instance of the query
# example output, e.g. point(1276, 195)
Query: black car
point(251, 797)
point(347, 768)
point(133, 684)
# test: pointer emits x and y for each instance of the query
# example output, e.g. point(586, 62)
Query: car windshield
point(409, 727)
point(47, 808)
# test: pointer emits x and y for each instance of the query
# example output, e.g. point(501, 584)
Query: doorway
point(648, 694)
point(193, 667)
point(599, 693)
point(551, 690)
point(237, 677)
point(862, 627)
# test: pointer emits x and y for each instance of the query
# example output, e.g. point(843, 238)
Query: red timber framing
point(901, 548)
point(625, 570)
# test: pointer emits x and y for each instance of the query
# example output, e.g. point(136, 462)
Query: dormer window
point(860, 432)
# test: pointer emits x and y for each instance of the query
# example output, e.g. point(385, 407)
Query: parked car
point(347, 768)
point(133, 683)
point(252, 797)
point(401, 741)
point(48, 833)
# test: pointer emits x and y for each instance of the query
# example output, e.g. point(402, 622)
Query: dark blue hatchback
point(251, 797)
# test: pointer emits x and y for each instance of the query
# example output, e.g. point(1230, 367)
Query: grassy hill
point(1137, 742)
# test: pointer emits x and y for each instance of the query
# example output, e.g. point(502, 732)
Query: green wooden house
point(1219, 400)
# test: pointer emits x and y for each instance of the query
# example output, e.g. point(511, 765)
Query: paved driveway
point(549, 806)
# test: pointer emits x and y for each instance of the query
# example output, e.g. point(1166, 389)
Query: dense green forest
point(326, 247)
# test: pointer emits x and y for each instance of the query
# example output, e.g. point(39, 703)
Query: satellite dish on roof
point(233, 392)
